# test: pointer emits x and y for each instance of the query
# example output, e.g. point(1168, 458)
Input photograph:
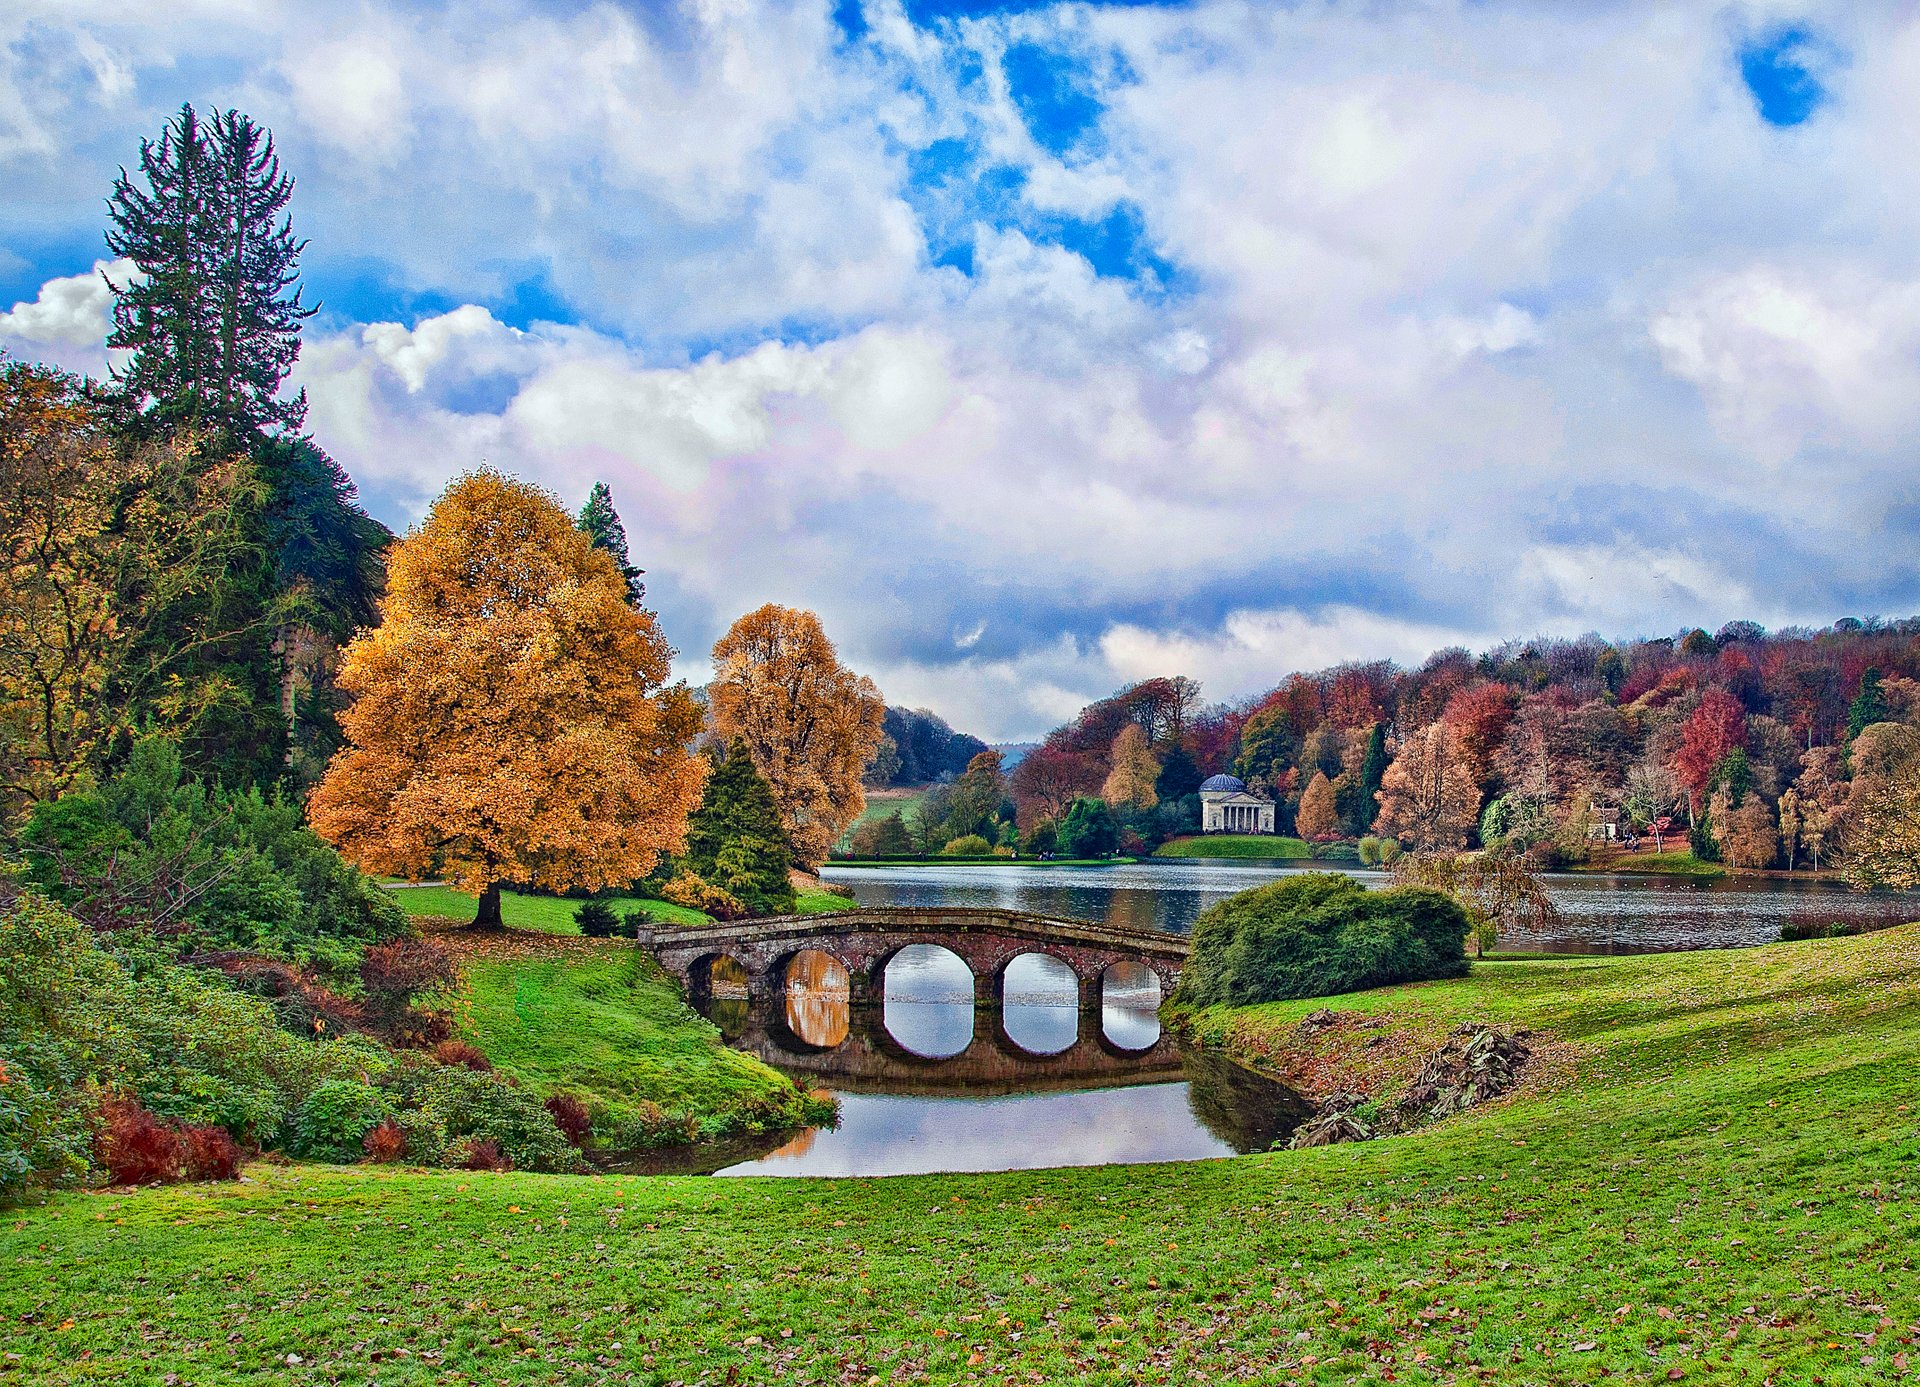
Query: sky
point(1044, 348)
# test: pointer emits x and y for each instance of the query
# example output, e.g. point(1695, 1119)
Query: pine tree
point(1869, 705)
point(208, 318)
point(600, 522)
point(734, 839)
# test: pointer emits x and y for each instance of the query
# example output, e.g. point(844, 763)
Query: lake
point(1599, 914)
point(928, 1083)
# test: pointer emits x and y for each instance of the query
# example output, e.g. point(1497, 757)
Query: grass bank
point(1223, 845)
point(1717, 1183)
point(936, 860)
point(599, 1019)
point(553, 915)
point(1678, 862)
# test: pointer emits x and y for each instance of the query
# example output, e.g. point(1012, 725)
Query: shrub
point(335, 1119)
point(968, 845)
point(133, 1146)
point(1318, 934)
point(398, 975)
point(1368, 850)
point(460, 1053)
point(385, 1143)
point(632, 922)
point(482, 1153)
point(209, 1153)
point(596, 920)
point(451, 1104)
point(571, 1117)
point(690, 891)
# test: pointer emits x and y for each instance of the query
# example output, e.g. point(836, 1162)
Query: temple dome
point(1225, 784)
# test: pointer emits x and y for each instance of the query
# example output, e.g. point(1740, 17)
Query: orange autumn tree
point(810, 723)
point(511, 720)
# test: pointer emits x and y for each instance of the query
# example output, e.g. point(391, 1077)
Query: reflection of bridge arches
point(871, 1060)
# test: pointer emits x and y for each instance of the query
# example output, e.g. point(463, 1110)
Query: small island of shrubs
point(1319, 934)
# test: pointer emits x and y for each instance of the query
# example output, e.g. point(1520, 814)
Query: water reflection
point(816, 999)
point(1040, 1004)
point(1600, 914)
point(927, 1001)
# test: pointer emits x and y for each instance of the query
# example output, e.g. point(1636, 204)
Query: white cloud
point(72, 312)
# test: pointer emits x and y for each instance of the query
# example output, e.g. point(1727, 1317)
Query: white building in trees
point(1228, 806)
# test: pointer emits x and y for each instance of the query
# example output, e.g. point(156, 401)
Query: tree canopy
point(511, 719)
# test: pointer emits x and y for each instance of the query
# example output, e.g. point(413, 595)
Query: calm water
point(1600, 914)
point(928, 1083)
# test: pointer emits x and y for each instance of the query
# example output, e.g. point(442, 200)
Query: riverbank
point(1721, 1184)
point(1219, 845)
point(599, 1019)
point(1677, 863)
point(938, 861)
point(554, 914)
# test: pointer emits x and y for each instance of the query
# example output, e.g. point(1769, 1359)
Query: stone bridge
point(864, 940)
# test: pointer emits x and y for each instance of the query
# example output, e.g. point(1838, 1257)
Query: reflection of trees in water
point(730, 1014)
point(818, 1007)
point(1134, 910)
point(727, 977)
point(1246, 1110)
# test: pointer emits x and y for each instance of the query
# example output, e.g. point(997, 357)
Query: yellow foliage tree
point(1131, 781)
point(1319, 816)
point(102, 545)
point(1428, 797)
point(511, 721)
point(810, 724)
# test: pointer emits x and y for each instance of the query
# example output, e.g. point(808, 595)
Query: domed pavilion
point(1228, 806)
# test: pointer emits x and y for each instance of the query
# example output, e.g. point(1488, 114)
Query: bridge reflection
point(818, 1036)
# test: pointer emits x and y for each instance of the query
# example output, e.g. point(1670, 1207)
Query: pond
point(1600, 914)
point(928, 1082)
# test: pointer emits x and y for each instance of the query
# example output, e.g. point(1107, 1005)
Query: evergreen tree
point(1089, 829)
point(1869, 705)
point(209, 319)
point(1373, 770)
point(600, 522)
point(1179, 776)
point(734, 839)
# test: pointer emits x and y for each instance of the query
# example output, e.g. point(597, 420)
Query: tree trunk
point(488, 915)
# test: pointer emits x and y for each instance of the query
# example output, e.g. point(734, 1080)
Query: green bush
point(968, 845)
point(444, 1106)
point(596, 920)
point(334, 1121)
point(1319, 934)
point(221, 869)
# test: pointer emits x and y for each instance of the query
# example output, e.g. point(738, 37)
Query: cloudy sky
point(1043, 348)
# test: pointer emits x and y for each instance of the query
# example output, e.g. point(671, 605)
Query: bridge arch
point(718, 974)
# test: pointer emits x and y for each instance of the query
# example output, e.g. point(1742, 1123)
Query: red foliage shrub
point(395, 974)
point(385, 1144)
point(134, 1146)
point(480, 1153)
point(571, 1117)
point(460, 1053)
point(209, 1153)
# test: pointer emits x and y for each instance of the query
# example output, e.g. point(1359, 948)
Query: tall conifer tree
point(600, 522)
point(212, 318)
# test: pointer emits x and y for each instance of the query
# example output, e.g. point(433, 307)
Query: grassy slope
point(1675, 862)
point(551, 915)
point(1212, 845)
point(601, 1020)
point(1720, 1188)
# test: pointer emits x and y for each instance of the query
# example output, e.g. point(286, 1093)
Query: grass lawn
point(936, 860)
point(1224, 845)
point(1716, 1182)
point(547, 914)
point(1674, 862)
point(600, 1019)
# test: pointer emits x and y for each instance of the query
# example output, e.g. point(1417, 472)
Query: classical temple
point(1228, 806)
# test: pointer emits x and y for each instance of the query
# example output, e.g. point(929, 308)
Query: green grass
point(819, 903)
point(936, 860)
point(1718, 1185)
point(547, 914)
point(600, 1019)
point(1675, 862)
point(1219, 845)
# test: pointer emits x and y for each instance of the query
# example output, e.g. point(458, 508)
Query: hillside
point(1714, 1180)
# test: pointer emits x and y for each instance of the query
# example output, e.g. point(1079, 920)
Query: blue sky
point(1045, 347)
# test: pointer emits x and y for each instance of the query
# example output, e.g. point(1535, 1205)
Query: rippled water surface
point(1600, 914)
